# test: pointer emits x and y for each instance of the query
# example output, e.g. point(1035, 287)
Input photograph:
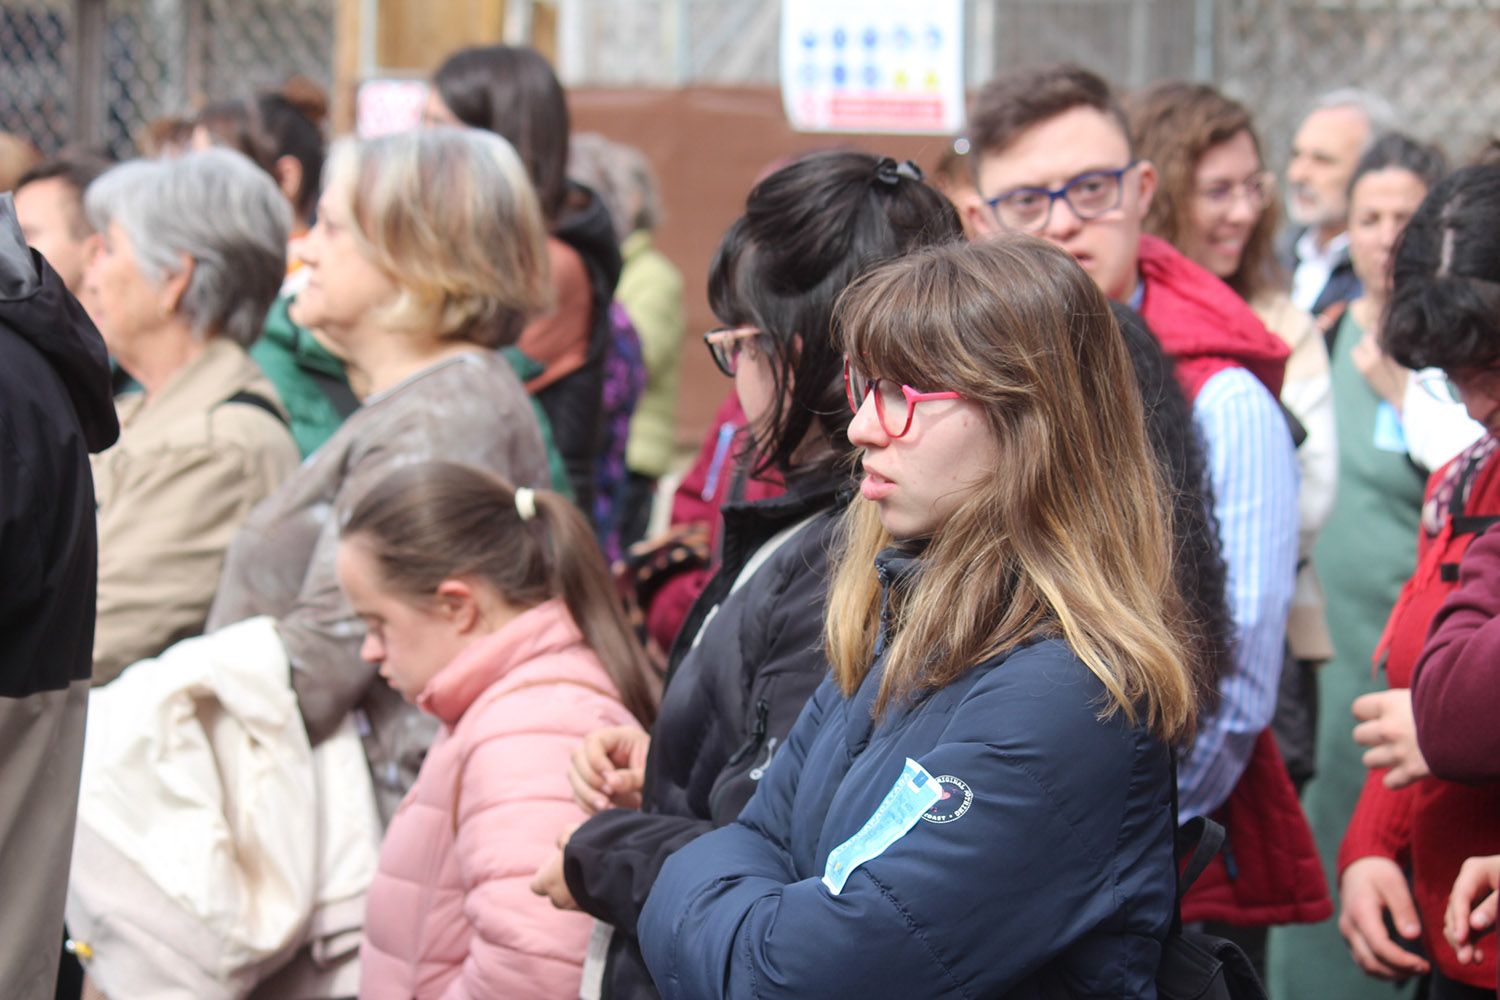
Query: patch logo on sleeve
point(956, 800)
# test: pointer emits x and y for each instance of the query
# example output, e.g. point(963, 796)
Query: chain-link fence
point(95, 72)
point(1431, 59)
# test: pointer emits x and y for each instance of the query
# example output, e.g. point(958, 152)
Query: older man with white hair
point(1333, 135)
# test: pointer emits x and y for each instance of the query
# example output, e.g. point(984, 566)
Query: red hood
point(1202, 325)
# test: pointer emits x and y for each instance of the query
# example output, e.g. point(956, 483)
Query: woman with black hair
point(748, 655)
point(512, 91)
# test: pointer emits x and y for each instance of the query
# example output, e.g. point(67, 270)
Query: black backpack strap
point(259, 402)
point(1200, 838)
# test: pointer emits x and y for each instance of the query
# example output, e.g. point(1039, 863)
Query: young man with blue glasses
point(1052, 156)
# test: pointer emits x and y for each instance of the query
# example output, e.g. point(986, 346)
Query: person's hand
point(1384, 374)
point(609, 768)
point(1464, 922)
point(549, 880)
point(1368, 889)
point(1389, 729)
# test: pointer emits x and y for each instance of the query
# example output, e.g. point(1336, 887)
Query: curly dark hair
point(1444, 310)
point(1197, 561)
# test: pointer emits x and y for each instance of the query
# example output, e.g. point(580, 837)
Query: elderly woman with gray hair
point(189, 256)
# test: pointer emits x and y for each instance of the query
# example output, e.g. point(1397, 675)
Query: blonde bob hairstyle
point(1068, 537)
point(450, 216)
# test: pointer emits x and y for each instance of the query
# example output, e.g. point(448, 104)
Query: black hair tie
point(888, 171)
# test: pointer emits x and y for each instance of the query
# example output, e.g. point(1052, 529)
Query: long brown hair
point(429, 522)
point(1173, 124)
point(1069, 534)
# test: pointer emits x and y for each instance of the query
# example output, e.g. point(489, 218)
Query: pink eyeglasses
point(894, 403)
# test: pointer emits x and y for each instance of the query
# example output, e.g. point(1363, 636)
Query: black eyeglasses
point(725, 345)
point(1089, 195)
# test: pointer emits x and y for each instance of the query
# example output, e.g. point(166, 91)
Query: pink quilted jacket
point(450, 914)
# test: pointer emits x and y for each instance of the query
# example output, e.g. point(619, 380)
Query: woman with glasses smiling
point(1215, 201)
point(978, 801)
point(748, 655)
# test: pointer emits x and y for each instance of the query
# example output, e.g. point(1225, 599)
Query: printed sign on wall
point(383, 106)
point(892, 66)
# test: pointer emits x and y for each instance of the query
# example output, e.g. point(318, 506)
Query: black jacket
point(731, 698)
point(55, 408)
point(574, 404)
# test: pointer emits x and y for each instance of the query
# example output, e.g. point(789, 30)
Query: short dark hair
point(1013, 102)
point(511, 91)
point(266, 128)
point(77, 171)
point(1444, 310)
point(1395, 151)
point(810, 229)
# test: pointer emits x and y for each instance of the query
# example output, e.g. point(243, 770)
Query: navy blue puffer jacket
point(1046, 871)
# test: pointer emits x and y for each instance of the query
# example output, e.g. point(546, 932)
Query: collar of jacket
point(220, 370)
point(1202, 324)
point(543, 630)
point(896, 567)
point(748, 524)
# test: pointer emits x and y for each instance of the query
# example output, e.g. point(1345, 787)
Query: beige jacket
point(470, 409)
point(171, 494)
point(1307, 391)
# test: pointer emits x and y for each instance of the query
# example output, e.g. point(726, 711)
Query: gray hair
point(620, 175)
point(1379, 113)
point(215, 207)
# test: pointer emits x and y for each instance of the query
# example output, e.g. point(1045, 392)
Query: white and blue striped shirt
point(1253, 467)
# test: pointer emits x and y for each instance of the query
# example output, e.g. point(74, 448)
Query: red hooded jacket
point(1268, 872)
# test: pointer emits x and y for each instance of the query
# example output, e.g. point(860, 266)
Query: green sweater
point(307, 377)
point(650, 289)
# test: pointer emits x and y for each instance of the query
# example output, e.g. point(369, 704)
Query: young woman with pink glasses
point(978, 801)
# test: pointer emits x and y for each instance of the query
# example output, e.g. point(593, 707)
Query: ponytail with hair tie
point(433, 520)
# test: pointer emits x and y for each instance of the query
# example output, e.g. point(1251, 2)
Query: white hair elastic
point(526, 503)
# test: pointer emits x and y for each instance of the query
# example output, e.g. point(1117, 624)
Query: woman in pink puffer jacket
point(490, 608)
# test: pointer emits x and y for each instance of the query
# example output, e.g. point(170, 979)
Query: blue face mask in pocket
point(1389, 434)
point(913, 794)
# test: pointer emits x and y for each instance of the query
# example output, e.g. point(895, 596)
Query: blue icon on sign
point(810, 40)
point(872, 76)
point(903, 37)
point(840, 76)
point(872, 38)
point(840, 38)
point(809, 74)
point(934, 37)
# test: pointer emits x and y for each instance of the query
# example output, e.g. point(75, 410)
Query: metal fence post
point(90, 24)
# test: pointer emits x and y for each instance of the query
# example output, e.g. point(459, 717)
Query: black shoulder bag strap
point(1194, 965)
point(259, 402)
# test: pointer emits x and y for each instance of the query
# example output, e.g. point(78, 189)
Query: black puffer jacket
point(574, 403)
point(55, 408)
point(731, 698)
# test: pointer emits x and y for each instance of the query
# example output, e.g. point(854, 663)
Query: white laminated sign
point(887, 66)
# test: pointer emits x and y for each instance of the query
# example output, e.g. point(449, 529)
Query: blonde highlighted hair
point(1069, 536)
point(450, 216)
